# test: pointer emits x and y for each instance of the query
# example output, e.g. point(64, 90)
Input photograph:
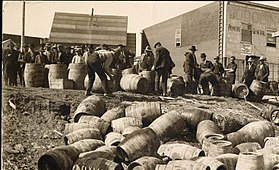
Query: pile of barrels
point(141, 136)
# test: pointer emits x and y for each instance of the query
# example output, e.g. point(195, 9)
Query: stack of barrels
point(141, 136)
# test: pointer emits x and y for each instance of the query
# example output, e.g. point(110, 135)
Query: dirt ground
point(34, 126)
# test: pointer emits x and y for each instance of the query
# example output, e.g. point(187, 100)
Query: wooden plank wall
point(131, 42)
point(84, 29)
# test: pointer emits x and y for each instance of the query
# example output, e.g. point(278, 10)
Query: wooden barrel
point(270, 160)
point(182, 164)
point(145, 163)
point(109, 149)
point(224, 88)
point(113, 114)
point(208, 139)
point(269, 149)
point(113, 139)
point(146, 111)
point(246, 147)
point(143, 142)
point(128, 71)
point(98, 163)
point(56, 71)
point(86, 145)
point(213, 163)
point(240, 90)
point(271, 113)
point(219, 147)
point(257, 88)
point(250, 161)
point(179, 151)
point(81, 134)
point(34, 75)
point(118, 125)
point(229, 160)
point(98, 154)
point(270, 141)
point(96, 122)
point(176, 86)
point(206, 127)
point(134, 83)
point(150, 76)
point(92, 105)
point(62, 157)
point(252, 132)
point(168, 125)
point(77, 73)
point(128, 130)
point(118, 76)
point(97, 85)
point(101, 125)
point(194, 116)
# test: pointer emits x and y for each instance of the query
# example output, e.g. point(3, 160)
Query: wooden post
point(23, 27)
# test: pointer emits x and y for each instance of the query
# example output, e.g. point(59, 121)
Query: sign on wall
point(246, 48)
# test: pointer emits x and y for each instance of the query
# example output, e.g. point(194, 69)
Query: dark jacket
point(206, 65)
point(218, 69)
point(262, 74)
point(163, 59)
point(189, 63)
point(249, 75)
point(146, 61)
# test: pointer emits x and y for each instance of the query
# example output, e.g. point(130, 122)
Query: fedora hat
point(203, 55)
point(262, 58)
point(233, 57)
point(193, 48)
point(148, 48)
point(250, 59)
point(157, 43)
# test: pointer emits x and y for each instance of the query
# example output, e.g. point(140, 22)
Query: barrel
point(34, 75)
point(128, 130)
point(250, 161)
point(120, 124)
point(109, 149)
point(276, 167)
point(246, 147)
point(194, 116)
point(182, 164)
point(270, 159)
point(62, 157)
point(113, 139)
point(97, 85)
point(98, 163)
point(213, 163)
point(229, 160)
point(101, 125)
point(77, 73)
point(179, 151)
point(252, 132)
point(118, 75)
point(113, 114)
point(269, 149)
point(150, 76)
point(88, 133)
point(92, 105)
point(224, 88)
point(134, 83)
point(219, 147)
point(86, 145)
point(270, 141)
point(145, 163)
point(168, 125)
point(176, 86)
point(128, 71)
point(271, 113)
point(98, 154)
point(96, 122)
point(143, 142)
point(56, 71)
point(208, 139)
point(258, 88)
point(146, 111)
point(206, 127)
point(240, 90)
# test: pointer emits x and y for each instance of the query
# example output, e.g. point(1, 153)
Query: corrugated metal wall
point(85, 29)
point(131, 42)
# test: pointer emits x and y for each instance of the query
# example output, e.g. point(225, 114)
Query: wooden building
point(234, 28)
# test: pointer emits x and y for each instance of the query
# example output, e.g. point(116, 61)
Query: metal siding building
point(247, 31)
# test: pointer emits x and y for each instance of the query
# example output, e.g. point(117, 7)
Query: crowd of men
point(101, 60)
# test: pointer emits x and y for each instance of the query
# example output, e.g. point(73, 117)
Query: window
point(246, 33)
point(178, 37)
point(270, 41)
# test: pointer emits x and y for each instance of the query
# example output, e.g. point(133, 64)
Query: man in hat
point(88, 52)
point(231, 70)
point(41, 58)
point(218, 68)
point(146, 60)
point(189, 67)
point(163, 65)
point(249, 73)
point(32, 53)
point(61, 55)
point(10, 57)
point(69, 54)
point(262, 70)
point(78, 58)
point(49, 53)
point(22, 61)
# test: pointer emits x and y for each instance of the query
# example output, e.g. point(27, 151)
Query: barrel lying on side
point(208, 139)
point(145, 162)
point(229, 160)
point(250, 161)
point(246, 147)
point(240, 90)
point(113, 114)
point(206, 127)
point(97, 163)
point(86, 145)
point(134, 83)
point(120, 124)
point(81, 134)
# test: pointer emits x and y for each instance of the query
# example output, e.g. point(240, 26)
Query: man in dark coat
point(163, 65)
point(249, 73)
point(61, 55)
point(41, 58)
point(146, 60)
point(189, 67)
point(218, 68)
point(22, 62)
point(10, 65)
point(262, 70)
point(231, 70)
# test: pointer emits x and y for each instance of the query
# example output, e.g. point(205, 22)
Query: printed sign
point(246, 49)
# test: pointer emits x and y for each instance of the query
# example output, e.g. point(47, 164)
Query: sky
point(141, 14)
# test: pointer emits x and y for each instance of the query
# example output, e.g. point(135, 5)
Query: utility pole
point(23, 27)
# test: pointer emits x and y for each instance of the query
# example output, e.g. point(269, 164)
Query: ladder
point(221, 29)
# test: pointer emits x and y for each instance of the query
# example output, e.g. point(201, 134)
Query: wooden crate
point(61, 84)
